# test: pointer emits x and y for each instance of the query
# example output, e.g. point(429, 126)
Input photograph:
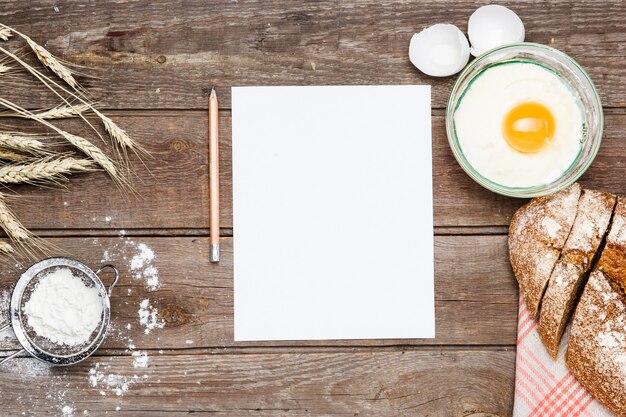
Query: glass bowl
point(571, 73)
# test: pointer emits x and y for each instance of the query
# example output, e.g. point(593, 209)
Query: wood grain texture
point(164, 54)
point(475, 293)
point(433, 382)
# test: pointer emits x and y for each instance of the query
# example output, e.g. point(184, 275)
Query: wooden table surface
point(157, 61)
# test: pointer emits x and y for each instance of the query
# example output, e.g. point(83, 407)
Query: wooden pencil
point(214, 193)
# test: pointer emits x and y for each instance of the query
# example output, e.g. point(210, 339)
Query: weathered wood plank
point(177, 195)
point(475, 293)
point(439, 382)
point(174, 53)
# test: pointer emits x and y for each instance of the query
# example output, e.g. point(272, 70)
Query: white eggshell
point(440, 50)
point(492, 26)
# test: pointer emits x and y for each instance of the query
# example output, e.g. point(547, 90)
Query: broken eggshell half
point(492, 26)
point(440, 50)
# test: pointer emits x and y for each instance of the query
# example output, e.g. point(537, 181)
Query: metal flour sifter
point(40, 347)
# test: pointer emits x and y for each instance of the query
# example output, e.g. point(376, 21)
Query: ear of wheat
point(8, 155)
point(52, 62)
point(63, 111)
point(5, 33)
point(45, 57)
point(19, 235)
point(6, 248)
point(49, 170)
point(22, 142)
point(10, 224)
point(80, 143)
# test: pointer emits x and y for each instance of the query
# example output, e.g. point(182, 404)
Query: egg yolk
point(528, 127)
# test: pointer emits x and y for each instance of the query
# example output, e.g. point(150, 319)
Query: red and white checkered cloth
point(543, 386)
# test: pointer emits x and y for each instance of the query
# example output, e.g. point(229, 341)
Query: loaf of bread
point(537, 234)
point(596, 351)
point(565, 285)
point(545, 247)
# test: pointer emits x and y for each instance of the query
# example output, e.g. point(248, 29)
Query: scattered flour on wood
point(149, 317)
point(140, 259)
point(26, 367)
point(116, 384)
point(140, 359)
point(142, 268)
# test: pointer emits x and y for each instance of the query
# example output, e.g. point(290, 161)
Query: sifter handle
point(117, 276)
point(13, 355)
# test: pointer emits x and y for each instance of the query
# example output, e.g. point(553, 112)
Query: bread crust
point(613, 260)
point(566, 281)
point(596, 352)
point(537, 234)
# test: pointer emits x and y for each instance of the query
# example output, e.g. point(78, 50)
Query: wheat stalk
point(94, 153)
point(52, 62)
point(63, 111)
point(48, 82)
point(118, 135)
point(42, 171)
point(21, 142)
point(45, 57)
point(19, 235)
point(8, 155)
point(5, 33)
point(6, 248)
point(59, 112)
point(11, 225)
point(81, 143)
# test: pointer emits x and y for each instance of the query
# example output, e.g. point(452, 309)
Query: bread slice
point(568, 277)
point(537, 234)
point(596, 352)
point(613, 260)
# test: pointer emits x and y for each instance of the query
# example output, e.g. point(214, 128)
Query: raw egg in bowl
point(524, 120)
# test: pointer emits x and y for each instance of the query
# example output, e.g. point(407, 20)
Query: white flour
point(149, 317)
point(62, 309)
point(140, 359)
point(144, 257)
point(139, 256)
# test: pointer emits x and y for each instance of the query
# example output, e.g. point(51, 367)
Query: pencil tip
point(212, 92)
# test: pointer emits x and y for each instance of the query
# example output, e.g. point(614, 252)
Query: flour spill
point(140, 257)
point(112, 383)
point(140, 359)
point(149, 317)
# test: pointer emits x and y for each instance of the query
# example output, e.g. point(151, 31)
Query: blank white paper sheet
point(333, 222)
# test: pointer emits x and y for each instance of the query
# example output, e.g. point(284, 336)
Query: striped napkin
point(543, 386)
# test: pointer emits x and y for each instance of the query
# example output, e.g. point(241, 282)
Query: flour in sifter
point(63, 309)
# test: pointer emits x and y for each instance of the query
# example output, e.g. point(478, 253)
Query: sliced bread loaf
point(568, 277)
point(537, 234)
